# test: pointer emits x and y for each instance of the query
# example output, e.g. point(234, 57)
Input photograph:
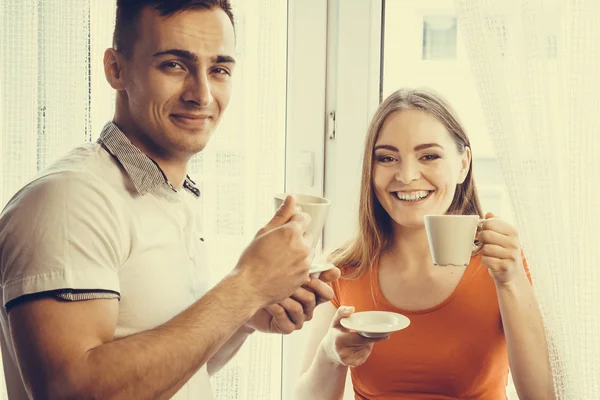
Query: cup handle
point(477, 247)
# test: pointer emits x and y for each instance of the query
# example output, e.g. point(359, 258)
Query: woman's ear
point(465, 165)
point(113, 69)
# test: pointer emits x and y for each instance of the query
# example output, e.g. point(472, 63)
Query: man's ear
point(114, 69)
point(465, 165)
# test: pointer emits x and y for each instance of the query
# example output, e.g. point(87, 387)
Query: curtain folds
point(536, 67)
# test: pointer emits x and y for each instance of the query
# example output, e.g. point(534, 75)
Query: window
point(439, 37)
point(442, 40)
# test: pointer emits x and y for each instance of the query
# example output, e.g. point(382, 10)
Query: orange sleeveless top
point(454, 350)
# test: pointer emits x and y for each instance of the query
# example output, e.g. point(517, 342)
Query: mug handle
point(477, 247)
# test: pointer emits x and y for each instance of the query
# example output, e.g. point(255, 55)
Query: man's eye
point(222, 71)
point(172, 65)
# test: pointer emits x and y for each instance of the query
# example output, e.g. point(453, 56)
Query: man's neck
point(174, 168)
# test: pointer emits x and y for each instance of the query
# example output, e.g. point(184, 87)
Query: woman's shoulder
point(351, 277)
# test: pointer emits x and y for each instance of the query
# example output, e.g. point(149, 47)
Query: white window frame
point(328, 42)
point(305, 132)
point(354, 95)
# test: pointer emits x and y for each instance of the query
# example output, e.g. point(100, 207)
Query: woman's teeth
point(412, 196)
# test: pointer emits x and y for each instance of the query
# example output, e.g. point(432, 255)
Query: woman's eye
point(430, 157)
point(385, 159)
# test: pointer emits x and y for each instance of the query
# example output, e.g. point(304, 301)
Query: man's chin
point(188, 150)
point(192, 141)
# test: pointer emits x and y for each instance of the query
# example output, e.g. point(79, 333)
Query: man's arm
point(74, 357)
point(229, 349)
point(67, 351)
point(282, 318)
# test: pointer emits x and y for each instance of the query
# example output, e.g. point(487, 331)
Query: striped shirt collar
point(144, 172)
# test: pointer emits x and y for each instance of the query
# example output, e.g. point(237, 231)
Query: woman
point(468, 324)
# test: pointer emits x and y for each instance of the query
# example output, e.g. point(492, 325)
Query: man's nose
point(199, 91)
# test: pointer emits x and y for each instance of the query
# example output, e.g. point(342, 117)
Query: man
point(102, 272)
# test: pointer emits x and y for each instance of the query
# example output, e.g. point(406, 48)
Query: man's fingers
point(323, 291)
point(281, 320)
point(282, 215)
point(330, 275)
point(302, 221)
point(294, 311)
point(308, 301)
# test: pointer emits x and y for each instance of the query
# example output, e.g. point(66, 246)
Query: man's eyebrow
point(220, 59)
point(188, 55)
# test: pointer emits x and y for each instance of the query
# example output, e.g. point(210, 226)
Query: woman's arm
point(320, 377)
point(525, 339)
point(521, 318)
point(331, 351)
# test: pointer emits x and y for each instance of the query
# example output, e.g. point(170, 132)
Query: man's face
point(178, 80)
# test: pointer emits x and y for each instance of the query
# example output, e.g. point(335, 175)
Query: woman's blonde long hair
point(375, 226)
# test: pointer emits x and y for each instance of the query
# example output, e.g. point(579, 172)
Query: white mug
point(318, 208)
point(451, 238)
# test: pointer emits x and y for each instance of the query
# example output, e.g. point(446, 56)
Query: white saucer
point(375, 324)
point(316, 269)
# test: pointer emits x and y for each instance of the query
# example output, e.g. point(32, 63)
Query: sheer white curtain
point(53, 96)
point(536, 64)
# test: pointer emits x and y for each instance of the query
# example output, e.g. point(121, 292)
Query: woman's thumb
point(342, 312)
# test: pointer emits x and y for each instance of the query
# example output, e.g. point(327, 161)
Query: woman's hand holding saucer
point(345, 347)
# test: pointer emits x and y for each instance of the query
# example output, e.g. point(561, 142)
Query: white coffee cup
point(451, 238)
point(318, 208)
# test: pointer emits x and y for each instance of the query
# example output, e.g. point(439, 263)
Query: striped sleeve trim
point(87, 296)
point(65, 295)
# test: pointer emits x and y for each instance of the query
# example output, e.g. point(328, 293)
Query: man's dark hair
point(128, 12)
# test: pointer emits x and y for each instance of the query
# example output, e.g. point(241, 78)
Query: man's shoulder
point(82, 173)
point(88, 159)
point(86, 166)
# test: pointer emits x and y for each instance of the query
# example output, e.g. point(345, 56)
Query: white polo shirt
point(103, 221)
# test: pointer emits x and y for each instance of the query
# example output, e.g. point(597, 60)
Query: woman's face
point(416, 167)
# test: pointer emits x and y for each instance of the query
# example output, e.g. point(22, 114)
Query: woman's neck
point(409, 251)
